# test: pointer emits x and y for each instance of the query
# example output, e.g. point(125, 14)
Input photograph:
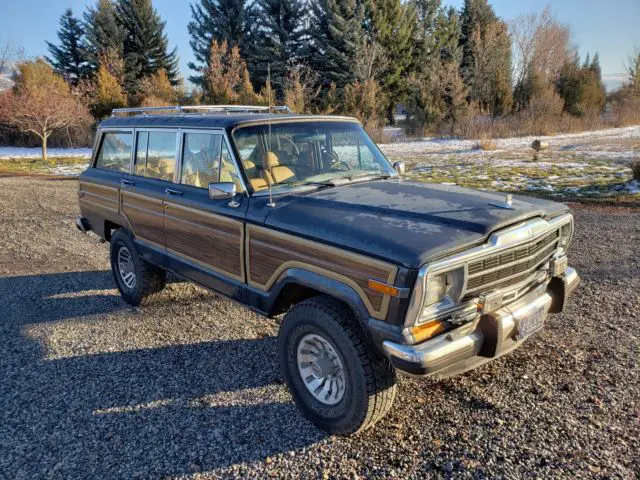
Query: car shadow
point(172, 410)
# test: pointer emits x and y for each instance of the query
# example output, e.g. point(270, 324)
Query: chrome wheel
point(126, 267)
point(321, 369)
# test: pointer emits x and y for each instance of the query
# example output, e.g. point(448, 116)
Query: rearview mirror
point(399, 167)
point(222, 191)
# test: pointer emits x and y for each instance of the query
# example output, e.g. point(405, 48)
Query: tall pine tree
point(69, 57)
point(219, 20)
point(103, 34)
point(336, 30)
point(145, 49)
point(276, 39)
point(486, 57)
point(391, 24)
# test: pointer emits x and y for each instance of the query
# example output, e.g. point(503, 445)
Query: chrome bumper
point(487, 338)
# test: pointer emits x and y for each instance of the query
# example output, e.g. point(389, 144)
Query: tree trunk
point(391, 114)
point(44, 148)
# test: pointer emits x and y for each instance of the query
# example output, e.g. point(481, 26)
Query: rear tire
point(336, 376)
point(139, 281)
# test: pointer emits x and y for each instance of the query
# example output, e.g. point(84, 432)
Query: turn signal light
point(384, 288)
point(427, 330)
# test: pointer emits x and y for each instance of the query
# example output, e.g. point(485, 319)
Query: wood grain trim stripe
point(146, 198)
point(217, 218)
point(333, 252)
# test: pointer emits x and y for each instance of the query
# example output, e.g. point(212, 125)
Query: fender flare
point(321, 283)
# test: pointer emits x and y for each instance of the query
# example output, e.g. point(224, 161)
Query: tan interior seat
point(258, 184)
point(273, 171)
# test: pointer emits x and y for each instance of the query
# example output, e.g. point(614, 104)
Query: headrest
point(270, 160)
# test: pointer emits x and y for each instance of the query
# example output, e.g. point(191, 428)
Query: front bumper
point(485, 339)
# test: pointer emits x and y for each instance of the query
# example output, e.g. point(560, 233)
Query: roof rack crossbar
point(203, 108)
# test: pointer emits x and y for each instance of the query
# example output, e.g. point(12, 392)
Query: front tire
point(139, 281)
point(336, 377)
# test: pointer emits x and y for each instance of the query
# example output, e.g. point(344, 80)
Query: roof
point(211, 120)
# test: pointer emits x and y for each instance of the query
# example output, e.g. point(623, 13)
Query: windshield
point(288, 155)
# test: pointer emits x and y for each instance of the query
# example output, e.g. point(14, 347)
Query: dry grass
point(486, 144)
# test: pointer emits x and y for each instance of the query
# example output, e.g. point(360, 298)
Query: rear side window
point(115, 152)
point(156, 155)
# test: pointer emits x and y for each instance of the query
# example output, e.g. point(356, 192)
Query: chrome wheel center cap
point(321, 369)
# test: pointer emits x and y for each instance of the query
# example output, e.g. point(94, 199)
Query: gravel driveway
point(189, 387)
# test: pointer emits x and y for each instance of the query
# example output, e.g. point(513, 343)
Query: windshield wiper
point(368, 176)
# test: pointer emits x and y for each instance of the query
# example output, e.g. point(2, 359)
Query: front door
point(143, 193)
point(206, 236)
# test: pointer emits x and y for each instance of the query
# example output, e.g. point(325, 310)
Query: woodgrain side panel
point(145, 215)
point(271, 253)
point(214, 241)
point(99, 198)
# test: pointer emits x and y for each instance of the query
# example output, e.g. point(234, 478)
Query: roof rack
point(202, 109)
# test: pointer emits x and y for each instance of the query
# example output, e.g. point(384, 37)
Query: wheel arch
point(296, 285)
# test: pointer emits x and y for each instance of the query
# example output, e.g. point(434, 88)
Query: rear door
point(99, 186)
point(205, 237)
point(143, 192)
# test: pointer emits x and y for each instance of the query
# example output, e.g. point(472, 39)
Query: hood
point(407, 223)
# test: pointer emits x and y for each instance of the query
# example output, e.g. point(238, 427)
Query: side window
point(201, 159)
point(161, 155)
point(228, 171)
point(115, 152)
point(141, 152)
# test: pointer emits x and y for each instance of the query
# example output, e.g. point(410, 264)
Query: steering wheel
point(293, 145)
point(338, 164)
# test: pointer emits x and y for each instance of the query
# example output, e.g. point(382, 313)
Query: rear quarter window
point(115, 152)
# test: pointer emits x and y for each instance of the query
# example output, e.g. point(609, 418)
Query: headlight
point(444, 286)
point(566, 234)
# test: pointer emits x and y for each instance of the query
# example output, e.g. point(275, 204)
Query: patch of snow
point(24, 152)
point(66, 170)
point(633, 187)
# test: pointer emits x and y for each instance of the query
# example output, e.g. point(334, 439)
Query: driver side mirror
point(400, 167)
point(222, 191)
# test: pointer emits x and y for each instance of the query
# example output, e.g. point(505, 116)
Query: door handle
point(175, 193)
point(127, 183)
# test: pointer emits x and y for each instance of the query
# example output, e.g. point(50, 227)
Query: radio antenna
point(270, 204)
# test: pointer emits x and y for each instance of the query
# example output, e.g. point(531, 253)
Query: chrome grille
point(512, 266)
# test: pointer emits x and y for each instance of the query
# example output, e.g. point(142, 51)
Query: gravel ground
point(190, 388)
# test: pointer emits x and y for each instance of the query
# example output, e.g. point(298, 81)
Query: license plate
point(531, 323)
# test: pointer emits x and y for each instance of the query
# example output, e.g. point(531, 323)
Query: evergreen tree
point(336, 31)
point(581, 89)
point(476, 15)
point(219, 20)
point(424, 47)
point(391, 24)
point(276, 39)
point(486, 57)
point(447, 36)
point(102, 32)
point(145, 49)
point(633, 70)
point(69, 59)
point(594, 66)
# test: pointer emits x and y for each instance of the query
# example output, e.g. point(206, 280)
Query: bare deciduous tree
point(539, 42)
point(41, 103)
point(9, 53)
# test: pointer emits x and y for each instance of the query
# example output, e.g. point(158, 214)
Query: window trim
point(225, 139)
point(100, 142)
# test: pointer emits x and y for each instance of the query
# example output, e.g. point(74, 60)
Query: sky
point(607, 26)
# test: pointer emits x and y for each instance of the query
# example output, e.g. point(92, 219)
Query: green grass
point(37, 166)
